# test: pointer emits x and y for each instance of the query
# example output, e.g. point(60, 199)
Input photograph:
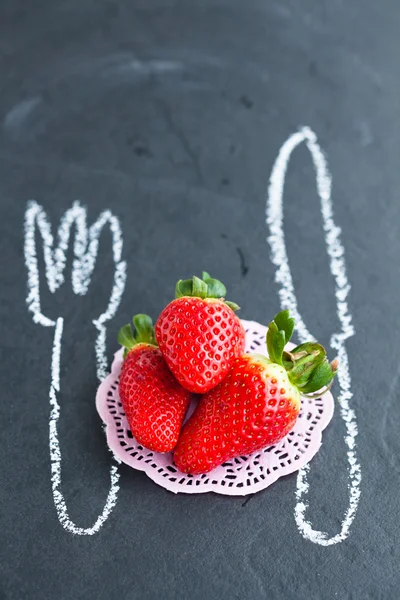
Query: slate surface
point(171, 114)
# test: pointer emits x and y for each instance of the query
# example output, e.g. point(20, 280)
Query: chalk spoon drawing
point(283, 277)
point(86, 242)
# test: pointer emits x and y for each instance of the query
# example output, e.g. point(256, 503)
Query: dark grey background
point(171, 114)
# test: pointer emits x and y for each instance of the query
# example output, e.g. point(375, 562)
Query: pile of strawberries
point(245, 401)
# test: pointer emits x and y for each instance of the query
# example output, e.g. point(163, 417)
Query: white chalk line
point(283, 276)
point(86, 242)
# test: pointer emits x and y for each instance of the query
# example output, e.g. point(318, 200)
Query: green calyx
point(307, 365)
point(206, 287)
point(143, 333)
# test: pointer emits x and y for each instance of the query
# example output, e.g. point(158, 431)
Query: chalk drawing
point(86, 242)
point(85, 253)
point(283, 276)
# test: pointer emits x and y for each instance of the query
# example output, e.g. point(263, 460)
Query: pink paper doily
point(238, 477)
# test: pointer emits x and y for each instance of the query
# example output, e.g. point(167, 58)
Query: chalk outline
point(335, 250)
point(83, 265)
point(86, 243)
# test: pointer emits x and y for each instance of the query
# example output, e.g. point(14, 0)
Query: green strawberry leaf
point(215, 289)
point(232, 305)
point(285, 323)
point(144, 330)
point(125, 337)
point(314, 354)
point(275, 343)
point(199, 287)
point(320, 378)
point(144, 333)
point(206, 287)
point(183, 288)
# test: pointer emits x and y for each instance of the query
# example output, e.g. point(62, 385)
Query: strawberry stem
point(206, 287)
point(143, 333)
point(307, 364)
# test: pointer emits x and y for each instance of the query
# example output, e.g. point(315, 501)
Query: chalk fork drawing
point(283, 276)
point(86, 242)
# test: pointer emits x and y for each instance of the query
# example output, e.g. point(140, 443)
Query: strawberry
point(199, 333)
point(154, 402)
point(257, 404)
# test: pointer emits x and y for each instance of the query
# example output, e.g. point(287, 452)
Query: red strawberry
point(199, 334)
point(154, 402)
point(256, 405)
